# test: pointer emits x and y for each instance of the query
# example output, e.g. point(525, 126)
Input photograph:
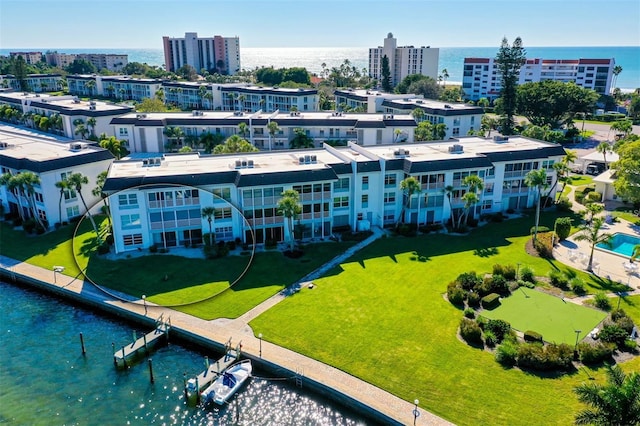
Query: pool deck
point(605, 263)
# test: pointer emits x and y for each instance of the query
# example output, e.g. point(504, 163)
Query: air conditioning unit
point(447, 106)
point(387, 117)
point(141, 116)
point(300, 160)
point(75, 147)
point(238, 113)
point(250, 164)
point(238, 164)
point(4, 145)
point(456, 149)
point(500, 139)
point(314, 159)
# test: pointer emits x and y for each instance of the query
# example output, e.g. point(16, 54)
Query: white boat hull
point(228, 383)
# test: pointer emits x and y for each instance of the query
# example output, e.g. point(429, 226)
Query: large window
point(73, 211)
point(365, 201)
point(390, 180)
point(130, 221)
point(340, 202)
point(389, 197)
point(365, 182)
point(224, 193)
point(132, 240)
point(128, 201)
point(223, 213)
point(341, 185)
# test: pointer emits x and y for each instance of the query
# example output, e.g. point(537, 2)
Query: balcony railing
point(174, 203)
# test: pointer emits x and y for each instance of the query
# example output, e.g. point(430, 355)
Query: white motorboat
point(228, 383)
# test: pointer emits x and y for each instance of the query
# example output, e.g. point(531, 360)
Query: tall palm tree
point(241, 100)
point(273, 128)
point(209, 212)
point(76, 180)
point(603, 148)
point(440, 131)
point(14, 186)
point(537, 179)
point(470, 199)
point(593, 235)
point(91, 124)
point(616, 71)
point(97, 192)
point(202, 90)
point(445, 76)
point(474, 184)
point(90, 85)
point(243, 129)
point(448, 193)
point(409, 186)
point(29, 181)
point(113, 145)
point(617, 403)
point(418, 114)
point(63, 186)
point(231, 97)
point(289, 207)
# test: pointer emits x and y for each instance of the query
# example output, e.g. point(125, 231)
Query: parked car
point(594, 169)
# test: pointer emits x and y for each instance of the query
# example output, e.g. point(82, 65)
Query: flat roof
point(67, 103)
point(30, 150)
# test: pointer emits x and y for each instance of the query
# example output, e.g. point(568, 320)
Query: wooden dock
point(195, 385)
point(127, 354)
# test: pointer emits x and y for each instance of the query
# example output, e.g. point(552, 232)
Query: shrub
point(455, 294)
point(490, 339)
point(630, 345)
point(614, 334)
point(527, 274)
point(527, 284)
point(29, 225)
point(596, 353)
point(482, 322)
point(620, 318)
point(470, 331)
point(541, 229)
point(594, 197)
point(498, 269)
point(616, 314)
point(543, 245)
point(602, 301)
point(153, 248)
point(532, 336)
point(270, 242)
point(491, 301)
point(564, 204)
point(563, 227)
point(473, 299)
point(558, 279)
point(468, 280)
point(231, 245)
point(507, 353)
point(103, 248)
point(109, 240)
point(507, 271)
point(469, 313)
point(550, 357)
point(578, 286)
point(499, 284)
point(498, 327)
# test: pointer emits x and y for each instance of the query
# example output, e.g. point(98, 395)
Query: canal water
point(45, 379)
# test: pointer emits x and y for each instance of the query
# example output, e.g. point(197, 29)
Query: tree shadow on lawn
point(16, 244)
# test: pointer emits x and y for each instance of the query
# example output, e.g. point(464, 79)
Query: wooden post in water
point(186, 391)
point(151, 370)
point(124, 359)
point(206, 364)
point(146, 349)
point(197, 391)
point(115, 360)
point(84, 352)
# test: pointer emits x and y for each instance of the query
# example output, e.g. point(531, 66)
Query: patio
point(605, 264)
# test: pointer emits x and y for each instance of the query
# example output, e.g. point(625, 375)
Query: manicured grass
point(556, 320)
point(382, 317)
point(581, 180)
point(629, 214)
point(190, 283)
point(631, 305)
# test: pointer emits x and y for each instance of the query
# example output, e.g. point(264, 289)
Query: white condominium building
point(403, 61)
point(52, 159)
point(482, 78)
point(219, 53)
point(35, 82)
point(159, 200)
point(146, 132)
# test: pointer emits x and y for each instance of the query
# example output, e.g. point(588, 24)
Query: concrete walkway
point(347, 389)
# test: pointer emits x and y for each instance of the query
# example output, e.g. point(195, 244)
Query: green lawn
point(581, 180)
point(629, 214)
point(190, 283)
point(557, 320)
point(381, 316)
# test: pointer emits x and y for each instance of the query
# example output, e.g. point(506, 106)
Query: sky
point(313, 23)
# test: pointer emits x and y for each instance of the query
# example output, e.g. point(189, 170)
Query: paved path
point(350, 390)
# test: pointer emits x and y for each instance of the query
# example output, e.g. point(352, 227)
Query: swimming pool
point(621, 244)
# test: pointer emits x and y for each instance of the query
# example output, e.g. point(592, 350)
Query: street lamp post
point(57, 269)
point(260, 337)
point(144, 302)
point(575, 349)
point(416, 413)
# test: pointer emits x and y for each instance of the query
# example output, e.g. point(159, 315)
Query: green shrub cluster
point(594, 197)
point(564, 204)
point(507, 352)
point(494, 284)
point(545, 357)
point(602, 301)
point(470, 313)
point(581, 193)
point(432, 227)
point(563, 227)
point(507, 271)
point(558, 279)
point(543, 245)
point(577, 286)
point(617, 329)
point(470, 331)
point(499, 328)
point(596, 353)
point(532, 336)
point(355, 236)
point(527, 274)
point(491, 301)
point(541, 229)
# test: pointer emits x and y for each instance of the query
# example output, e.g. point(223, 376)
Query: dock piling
point(113, 349)
point(124, 358)
point(84, 352)
point(206, 365)
point(151, 370)
point(186, 391)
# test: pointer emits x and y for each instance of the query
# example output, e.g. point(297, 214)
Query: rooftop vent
point(294, 113)
point(92, 105)
point(337, 114)
point(197, 113)
point(151, 162)
point(447, 106)
point(500, 139)
point(4, 145)
point(141, 116)
point(76, 100)
point(75, 147)
point(401, 153)
point(387, 117)
point(238, 113)
point(456, 149)
point(243, 163)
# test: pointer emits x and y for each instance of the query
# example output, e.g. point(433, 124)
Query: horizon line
point(317, 47)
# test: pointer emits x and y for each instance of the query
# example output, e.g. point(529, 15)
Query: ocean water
point(451, 58)
point(45, 379)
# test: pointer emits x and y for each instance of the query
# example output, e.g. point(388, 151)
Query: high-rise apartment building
point(482, 78)
point(217, 52)
point(403, 61)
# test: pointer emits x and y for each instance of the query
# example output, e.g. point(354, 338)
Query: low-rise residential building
point(113, 62)
point(68, 111)
point(369, 101)
point(458, 118)
point(30, 58)
point(35, 82)
point(51, 159)
point(158, 200)
point(145, 132)
point(482, 78)
point(120, 87)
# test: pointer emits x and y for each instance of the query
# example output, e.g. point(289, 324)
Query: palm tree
point(484, 103)
point(63, 186)
point(90, 85)
point(445, 76)
point(97, 192)
point(113, 145)
point(202, 90)
point(616, 71)
point(160, 94)
point(470, 199)
point(234, 144)
point(210, 140)
point(475, 185)
point(603, 149)
point(592, 234)
point(273, 128)
point(209, 97)
point(76, 180)
point(231, 97)
point(440, 131)
point(14, 186)
point(537, 179)
point(243, 129)
point(622, 126)
point(91, 124)
point(616, 403)
point(111, 90)
point(301, 140)
point(448, 192)
point(289, 207)
point(29, 181)
point(241, 100)
point(409, 186)
point(488, 124)
point(209, 213)
point(418, 114)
